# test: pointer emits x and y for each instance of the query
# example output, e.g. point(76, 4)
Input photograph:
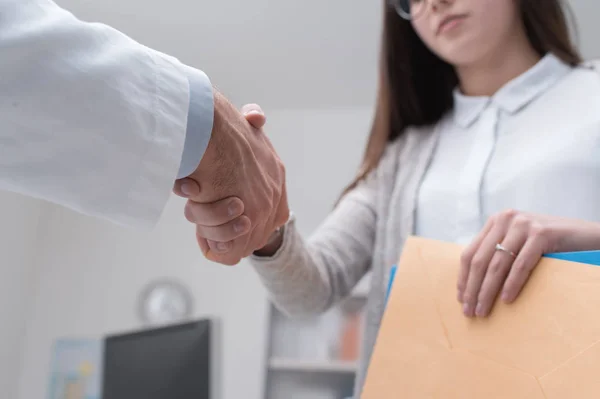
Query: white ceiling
point(280, 53)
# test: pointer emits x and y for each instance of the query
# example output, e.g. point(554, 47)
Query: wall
point(586, 13)
point(18, 226)
point(89, 273)
point(281, 53)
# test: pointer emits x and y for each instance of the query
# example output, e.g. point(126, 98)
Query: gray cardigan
point(366, 231)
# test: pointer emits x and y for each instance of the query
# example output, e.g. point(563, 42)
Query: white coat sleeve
point(90, 119)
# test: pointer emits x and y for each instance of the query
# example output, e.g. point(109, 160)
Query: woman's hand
point(503, 255)
point(221, 222)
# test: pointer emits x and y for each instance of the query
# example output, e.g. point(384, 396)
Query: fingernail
point(219, 247)
point(222, 246)
point(479, 310)
point(234, 208)
point(467, 309)
point(253, 112)
point(186, 189)
point(239, 227)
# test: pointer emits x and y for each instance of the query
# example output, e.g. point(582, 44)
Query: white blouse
point(534, 146)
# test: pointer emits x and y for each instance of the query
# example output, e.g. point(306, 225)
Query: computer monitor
point(171, 362)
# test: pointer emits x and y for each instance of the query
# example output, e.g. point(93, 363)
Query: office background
point(312, 66)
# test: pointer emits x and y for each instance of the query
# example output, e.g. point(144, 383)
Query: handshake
point(237, 196)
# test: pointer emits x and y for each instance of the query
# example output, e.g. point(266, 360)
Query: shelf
point(312, 366)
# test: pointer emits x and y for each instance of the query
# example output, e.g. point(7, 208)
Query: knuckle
point(275, 194)
point(478, 263)
point(537, 230)
point(466, 257)
point(468, 297)
point(521, 222)
point(493, 219)
point(521, 267)
point(218, 233)
point(506, 215)
point(188, 212)
point(497, 268)
point(203, 233)
point(509, 213)
point(224, 233)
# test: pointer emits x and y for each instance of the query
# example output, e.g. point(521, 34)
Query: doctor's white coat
point(89, 118)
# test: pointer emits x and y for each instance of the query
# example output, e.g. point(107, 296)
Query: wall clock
point(165, 301)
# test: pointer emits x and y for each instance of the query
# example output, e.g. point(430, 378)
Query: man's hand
point(239, 162)
point(213, 220)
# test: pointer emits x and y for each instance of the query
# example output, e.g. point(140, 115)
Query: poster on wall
point(76, 368)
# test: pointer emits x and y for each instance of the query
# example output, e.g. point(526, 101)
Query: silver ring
point(500, 247)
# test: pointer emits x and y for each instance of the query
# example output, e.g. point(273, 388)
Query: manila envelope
point(546, 345)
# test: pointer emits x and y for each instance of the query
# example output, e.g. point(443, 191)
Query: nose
point(438, 5)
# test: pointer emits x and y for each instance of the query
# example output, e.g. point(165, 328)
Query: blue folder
point(587, 257)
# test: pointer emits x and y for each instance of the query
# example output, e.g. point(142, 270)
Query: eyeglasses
point(409, 9)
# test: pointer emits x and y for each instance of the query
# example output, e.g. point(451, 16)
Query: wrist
point(218, 116)
point(582, 236)
point(215, 145)
point(273, 244)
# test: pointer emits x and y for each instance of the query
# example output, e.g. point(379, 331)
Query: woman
point(484, 106)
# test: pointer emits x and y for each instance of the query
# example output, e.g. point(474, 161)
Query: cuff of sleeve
point(273, 265)
point(199, 122)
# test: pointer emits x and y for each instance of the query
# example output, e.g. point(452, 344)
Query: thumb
point(254, 115)
point(186, 188)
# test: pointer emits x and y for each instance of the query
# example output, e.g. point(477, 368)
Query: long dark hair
point(415, 85)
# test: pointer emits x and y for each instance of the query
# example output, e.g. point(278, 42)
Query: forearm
point(92, 120)
point(576, 235)
point(308, 277)
point(296, 282)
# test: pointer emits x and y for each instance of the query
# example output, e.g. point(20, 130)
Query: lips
point(449, 19)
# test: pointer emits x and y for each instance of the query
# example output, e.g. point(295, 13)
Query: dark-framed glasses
point(409, 9)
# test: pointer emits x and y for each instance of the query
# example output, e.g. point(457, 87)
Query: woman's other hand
point(501, 258)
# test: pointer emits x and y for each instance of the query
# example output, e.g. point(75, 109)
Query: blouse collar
point(514, 95)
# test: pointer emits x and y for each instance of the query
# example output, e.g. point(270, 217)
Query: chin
point(460, 55)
